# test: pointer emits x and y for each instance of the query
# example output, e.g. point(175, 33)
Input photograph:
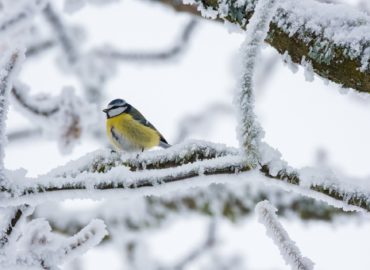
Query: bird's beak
point(105, 110)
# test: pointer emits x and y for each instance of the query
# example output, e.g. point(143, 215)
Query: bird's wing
point(140, 118)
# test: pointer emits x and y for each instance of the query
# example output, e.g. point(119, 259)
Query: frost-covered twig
point(91, 71)
point(36, 247)
point(20, 16)
point(12, 217)
point(63, 36)
point(290, 252)
point(44, 107)
point(37, 48)
point(249, 130)
point(306, 29)
point(65, 117)
point(81, 242)
point(8, 71)
point(21, 134)
point(170, 53)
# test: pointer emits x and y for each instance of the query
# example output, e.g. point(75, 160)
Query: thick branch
point(307, 30)
point(121, 177)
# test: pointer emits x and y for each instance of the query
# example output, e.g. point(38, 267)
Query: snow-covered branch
point(36, 247)
point(8, 70)
point(65, 117)
point(63, 36)
point(290, 252)
point(249, 130)
point(305, 30)
point(12, 217)
point(37, 48)
point(19, 15)
point(214, 200)
point(99, 173)
point(91, 71)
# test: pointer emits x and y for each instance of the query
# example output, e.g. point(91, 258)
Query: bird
point(128, 130)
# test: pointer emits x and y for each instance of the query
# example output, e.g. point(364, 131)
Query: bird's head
point(116, 107)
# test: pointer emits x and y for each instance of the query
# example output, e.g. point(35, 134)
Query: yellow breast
point(132, 131)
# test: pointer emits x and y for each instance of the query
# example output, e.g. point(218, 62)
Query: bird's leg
point(138, 154)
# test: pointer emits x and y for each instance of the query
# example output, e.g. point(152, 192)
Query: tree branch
point(112, 174)
point(288, 249)
point(306, 30)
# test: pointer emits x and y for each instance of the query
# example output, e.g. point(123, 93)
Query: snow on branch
point(12, 218)
point(289, 251)
point(81, 242)
point(63, 36)
point(39, 47)
point(7, 73)
point(249, 131)
point(91, 71)
point(16, 15)
point(214, 200)
point(36, 247)
point(100, 173)
point(66, 117)
point(333, 38)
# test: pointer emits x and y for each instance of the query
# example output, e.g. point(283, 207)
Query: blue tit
point(128, 130)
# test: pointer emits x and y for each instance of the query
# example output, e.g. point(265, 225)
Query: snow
point(267, 216)
point(331, 26)
point(10, 68)
point(308, 70)
point(249, 130)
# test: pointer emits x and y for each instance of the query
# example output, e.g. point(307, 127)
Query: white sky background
point(299, 118)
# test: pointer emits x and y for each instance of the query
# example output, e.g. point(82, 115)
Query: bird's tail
point(164, 144)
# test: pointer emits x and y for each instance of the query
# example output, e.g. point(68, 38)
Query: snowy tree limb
point(214, 200)
point(249, 131)
point(63, 37)
point(306, 30)
point(6, 76)
point(97, 173)
point(65, 117)
point(37, 48)
point(18, 135)
point(290, 252)
point(33, 107)
point(36, 247)
point(20, 16)
point(14, 216)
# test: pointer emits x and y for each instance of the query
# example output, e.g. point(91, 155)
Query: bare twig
point(166, 54)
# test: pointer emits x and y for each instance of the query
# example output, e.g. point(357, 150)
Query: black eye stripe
point(115, 107)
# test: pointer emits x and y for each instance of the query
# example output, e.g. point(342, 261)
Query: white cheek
point(116, 111)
